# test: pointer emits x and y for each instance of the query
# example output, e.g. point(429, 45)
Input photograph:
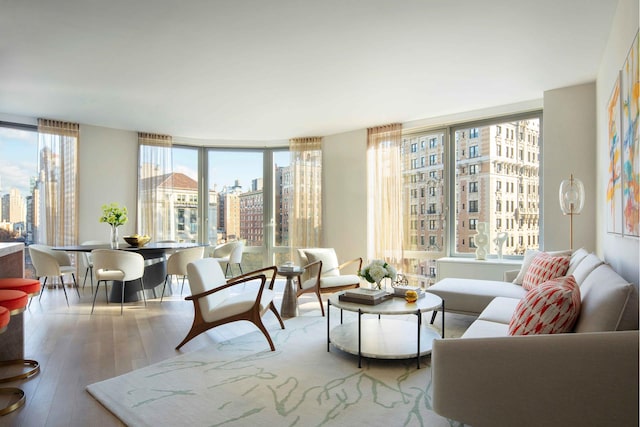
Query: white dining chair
point(177, 265)
point(52, 263)
point(117, 265)
point(229, 253)
point(87, 261)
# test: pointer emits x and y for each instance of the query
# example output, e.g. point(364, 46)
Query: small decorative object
point(411, 296)
point(482, 240)
point(376, 271)
point(499, 241)
point(115, 216)
point(137, 240)
point(571, 201)
point(401, 280)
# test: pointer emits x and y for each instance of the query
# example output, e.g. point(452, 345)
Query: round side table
point(289, 306)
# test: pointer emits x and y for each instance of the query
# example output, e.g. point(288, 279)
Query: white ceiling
point(268, 70)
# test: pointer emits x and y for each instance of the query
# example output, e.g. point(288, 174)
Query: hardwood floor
point(75, 348)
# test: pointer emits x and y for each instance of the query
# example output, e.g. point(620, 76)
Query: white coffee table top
point(394, 305)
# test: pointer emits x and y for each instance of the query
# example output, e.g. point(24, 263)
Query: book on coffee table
point(365, 296)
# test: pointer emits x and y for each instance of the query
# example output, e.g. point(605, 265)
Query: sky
point(225, 166)
point(19, 158)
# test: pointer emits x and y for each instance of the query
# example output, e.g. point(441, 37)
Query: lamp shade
point(571, 196)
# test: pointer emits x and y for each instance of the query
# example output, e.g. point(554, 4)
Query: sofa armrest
point(510, 275)
point(586, 379)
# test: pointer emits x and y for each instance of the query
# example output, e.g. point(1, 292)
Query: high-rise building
point(496, 182)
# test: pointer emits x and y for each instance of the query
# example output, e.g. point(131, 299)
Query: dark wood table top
point(149, 247)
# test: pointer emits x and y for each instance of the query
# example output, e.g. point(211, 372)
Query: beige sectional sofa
point(585, 378)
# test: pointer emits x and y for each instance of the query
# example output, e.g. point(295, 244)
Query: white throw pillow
point(586, 266)
point(328, 257)
point(576, 258)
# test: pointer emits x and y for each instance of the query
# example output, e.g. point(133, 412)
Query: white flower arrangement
point(378, 270)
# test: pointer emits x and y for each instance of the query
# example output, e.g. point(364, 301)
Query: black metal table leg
point(443, 318)
point(328, 315)
point(419, 314)
point(359, 338)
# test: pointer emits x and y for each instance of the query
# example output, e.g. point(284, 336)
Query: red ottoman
point(29, 286)
point(14, 301)
point(12, 341)
point(12, 304)
point(4, 319)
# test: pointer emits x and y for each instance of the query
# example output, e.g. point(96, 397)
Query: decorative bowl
point(137, 241)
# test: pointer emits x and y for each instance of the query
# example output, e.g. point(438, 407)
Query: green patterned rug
point(241, 383)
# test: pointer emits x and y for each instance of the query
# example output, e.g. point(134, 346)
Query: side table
point(289, 306)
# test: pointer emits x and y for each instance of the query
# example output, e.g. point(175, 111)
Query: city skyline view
point(19, 163)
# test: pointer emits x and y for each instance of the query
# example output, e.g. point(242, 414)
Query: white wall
point(108, 172)
point(621, 252)
point(569, 147)
point(344, 189)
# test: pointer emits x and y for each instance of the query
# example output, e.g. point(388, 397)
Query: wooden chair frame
point(253, 315)
point(316, 289)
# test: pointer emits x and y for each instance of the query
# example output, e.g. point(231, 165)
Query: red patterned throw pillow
point(545, 267)
point(550, 308)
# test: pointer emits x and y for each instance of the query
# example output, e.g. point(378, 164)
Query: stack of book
point(365, 296)
point(400, 291)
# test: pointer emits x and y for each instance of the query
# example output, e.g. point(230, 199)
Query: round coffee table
point(383, 337)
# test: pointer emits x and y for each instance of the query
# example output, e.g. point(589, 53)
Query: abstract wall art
point(630, 99)
point(614, 186)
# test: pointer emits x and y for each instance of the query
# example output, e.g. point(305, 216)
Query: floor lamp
point(571, 201)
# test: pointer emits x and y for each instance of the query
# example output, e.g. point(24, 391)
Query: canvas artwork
point(614, 186)
point(630, 93)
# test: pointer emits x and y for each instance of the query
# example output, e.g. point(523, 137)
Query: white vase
point(482, 240)
point(114, 237)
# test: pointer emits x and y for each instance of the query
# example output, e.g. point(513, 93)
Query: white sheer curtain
point(384, 193)
point(305, 216)
point(155, 186)
point(55, 201)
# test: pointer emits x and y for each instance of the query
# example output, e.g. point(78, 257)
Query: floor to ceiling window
point(497, 182)
point(457, 177)
point(217, 195)
point(423, 164)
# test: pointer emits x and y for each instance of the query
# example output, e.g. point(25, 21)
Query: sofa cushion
point(550, 308)
point(605, 295)
point(576, 257)
point(544, 267)
point(500, 310)
point(528, 257)
point(485, 329)
point(471, 296)
point(586, 266)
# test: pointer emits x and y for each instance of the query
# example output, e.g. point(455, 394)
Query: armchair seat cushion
point(238, 303)
point(332, 281)
point(111, 275)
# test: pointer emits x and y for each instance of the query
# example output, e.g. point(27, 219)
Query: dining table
point(155, 270)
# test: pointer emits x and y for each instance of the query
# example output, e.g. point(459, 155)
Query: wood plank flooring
point(76, 348)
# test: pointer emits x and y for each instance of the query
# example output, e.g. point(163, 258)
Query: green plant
point(114, 215)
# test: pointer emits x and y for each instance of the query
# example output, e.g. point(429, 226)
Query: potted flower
point(376, 271)
point(115, 216)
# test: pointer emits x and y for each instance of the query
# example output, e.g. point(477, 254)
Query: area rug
point(241, 383)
